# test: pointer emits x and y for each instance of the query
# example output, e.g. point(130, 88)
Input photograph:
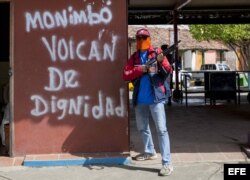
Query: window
point(220, 67)
point(226, 68)
point(220, 56)
point(212, 67)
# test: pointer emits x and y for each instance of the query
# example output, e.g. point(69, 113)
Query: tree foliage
point(235, 36)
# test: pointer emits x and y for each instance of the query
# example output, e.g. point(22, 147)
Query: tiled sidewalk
point(65, 159)
point(8, 161)
point(176, 157)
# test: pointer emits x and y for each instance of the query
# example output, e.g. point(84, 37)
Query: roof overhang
point(189, 11)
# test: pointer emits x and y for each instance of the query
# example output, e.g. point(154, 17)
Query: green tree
point(235, 36)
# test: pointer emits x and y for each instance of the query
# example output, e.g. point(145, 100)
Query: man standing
point(149, 96)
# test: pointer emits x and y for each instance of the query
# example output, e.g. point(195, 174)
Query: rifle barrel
point(165, 52)
point(171, 48)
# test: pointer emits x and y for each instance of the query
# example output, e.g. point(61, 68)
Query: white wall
point(187, 60)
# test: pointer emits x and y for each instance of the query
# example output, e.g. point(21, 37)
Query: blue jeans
point(142, 119)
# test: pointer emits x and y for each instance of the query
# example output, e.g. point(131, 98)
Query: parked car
point(215, 67)
point(198, 77)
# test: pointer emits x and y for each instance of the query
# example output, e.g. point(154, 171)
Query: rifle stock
point(171, 48)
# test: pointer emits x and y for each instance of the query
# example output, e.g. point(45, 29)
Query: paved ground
point(203, 133)
point(203, 138)
point(183, 171)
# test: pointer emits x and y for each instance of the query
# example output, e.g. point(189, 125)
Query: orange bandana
point(143, 44)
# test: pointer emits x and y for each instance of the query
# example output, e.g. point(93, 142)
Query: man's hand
point(152, 69)
point(160, 57)
point(144, 68)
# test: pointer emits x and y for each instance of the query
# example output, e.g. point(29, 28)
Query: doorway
point(4, 77)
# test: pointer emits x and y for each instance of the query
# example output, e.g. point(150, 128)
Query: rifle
point(165, 52)
point(162, 70)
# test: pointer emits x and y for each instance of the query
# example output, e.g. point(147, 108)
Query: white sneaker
point(166, 170)
point(145, 156)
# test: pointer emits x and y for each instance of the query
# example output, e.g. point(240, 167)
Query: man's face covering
point(143, 42)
